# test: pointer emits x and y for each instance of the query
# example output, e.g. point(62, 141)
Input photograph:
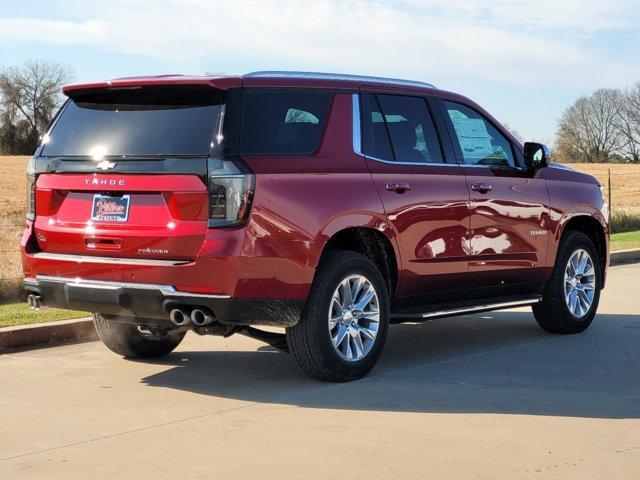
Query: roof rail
point(338, 76)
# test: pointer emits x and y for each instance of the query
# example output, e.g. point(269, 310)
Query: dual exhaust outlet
point(199, 317)
point(34, 301)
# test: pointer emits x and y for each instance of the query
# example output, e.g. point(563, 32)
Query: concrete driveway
point(480, 396)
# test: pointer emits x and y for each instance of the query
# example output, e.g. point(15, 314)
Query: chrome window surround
point(357, 145)
point(109, 285)
point(356, 125)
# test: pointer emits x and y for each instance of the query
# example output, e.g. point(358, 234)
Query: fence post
point(609, 188)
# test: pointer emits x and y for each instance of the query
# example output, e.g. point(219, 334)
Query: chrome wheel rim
point(354, 318)
point(579, 283)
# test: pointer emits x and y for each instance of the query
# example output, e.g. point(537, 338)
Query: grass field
point(12, 314)
point(625, 240)
point(625, 181)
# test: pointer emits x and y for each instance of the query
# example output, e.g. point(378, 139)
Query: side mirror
point(536, 156)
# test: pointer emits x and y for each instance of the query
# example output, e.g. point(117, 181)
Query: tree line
point(30, 95)
point(601, 127)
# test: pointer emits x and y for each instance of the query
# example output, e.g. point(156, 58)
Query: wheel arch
point(595, 229)
point(375, 240)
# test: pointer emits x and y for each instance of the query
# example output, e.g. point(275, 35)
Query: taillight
point(31, 190)
point(231, 185)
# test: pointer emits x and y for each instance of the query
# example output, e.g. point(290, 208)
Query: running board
point(440, 310)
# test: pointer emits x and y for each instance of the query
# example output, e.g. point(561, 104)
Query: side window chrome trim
point(356, 127)
point(424, 164)
point(504, 167)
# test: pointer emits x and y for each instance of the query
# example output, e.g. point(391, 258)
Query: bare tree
point(588, 130)
point(33, 91)
point(515, 133)
point(629, 122)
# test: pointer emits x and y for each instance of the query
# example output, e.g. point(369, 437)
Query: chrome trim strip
point(164, 289)
point(64, 257)
point(355, 124)
point(424, 164)
point(434, 164)
point(492, 306)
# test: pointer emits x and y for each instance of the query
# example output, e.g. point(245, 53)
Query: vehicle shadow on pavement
point(500, 362)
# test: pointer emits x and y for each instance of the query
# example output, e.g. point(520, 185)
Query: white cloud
point(519, 41)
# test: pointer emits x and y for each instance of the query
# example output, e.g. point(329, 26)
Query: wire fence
point(613, 183)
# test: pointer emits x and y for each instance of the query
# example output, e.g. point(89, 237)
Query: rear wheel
point(344, 326)
point(124, 338)
point(571, 297)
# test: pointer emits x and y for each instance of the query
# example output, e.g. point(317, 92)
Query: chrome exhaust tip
point(34, 301)
point(179, 317)
point(201, 317)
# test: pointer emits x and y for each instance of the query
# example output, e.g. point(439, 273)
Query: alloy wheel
point(579, 283)
point(354, 317)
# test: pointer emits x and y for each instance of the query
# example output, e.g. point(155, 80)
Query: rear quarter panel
point(300, 202)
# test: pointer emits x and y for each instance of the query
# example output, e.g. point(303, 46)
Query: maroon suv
point(330, 205)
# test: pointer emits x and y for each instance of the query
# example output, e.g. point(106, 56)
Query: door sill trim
point(450, 310)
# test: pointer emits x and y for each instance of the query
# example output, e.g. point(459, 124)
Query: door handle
point(481, 187)
point(398, 187)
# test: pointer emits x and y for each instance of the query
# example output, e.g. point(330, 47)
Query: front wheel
point(122, 337)
point(344, 326)
point(571, 297)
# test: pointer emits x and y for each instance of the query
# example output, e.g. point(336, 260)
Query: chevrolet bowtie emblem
point(105, 165)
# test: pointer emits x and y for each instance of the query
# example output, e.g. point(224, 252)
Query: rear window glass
point(287, 122)
point(411, 129)
point(141, 121)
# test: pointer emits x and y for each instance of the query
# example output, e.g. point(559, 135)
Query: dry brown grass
point(625, 183)
point(625, 188)
point(12, 210)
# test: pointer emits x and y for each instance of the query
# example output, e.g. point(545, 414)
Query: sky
point(524, 61)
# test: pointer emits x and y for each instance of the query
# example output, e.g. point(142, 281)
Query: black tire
point(552, 313)
point(310, 340)
point(121, 337)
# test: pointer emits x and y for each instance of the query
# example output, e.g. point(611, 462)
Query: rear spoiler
point(222, 83)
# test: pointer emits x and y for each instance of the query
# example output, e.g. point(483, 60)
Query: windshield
point(160, 121)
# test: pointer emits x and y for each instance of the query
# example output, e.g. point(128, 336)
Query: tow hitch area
point(203, 322)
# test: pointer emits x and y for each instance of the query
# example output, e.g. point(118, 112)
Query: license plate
point(110, 209)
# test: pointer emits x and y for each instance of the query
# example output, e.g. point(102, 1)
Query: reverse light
point(231, 185)
point(31, 190)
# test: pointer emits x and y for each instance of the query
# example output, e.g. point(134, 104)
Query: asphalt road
point(481, 396)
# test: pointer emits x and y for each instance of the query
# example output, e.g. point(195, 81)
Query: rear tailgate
point(122, 172)
point(136, 216)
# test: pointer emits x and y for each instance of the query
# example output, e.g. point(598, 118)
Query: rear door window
point(380, 144)
point(139, 121)
point(283, 122)
point(481, 143)
point(407, 122)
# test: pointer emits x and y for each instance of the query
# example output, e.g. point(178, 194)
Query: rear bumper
point(137, 300)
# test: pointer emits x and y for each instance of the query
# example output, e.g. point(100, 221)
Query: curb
point(47, 334)
point(624, 256)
